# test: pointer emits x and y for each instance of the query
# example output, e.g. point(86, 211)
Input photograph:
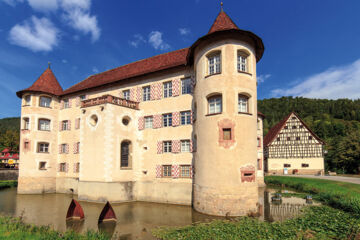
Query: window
point(185, 146)
point(293, 127)
point(26, 123)
point(77, 147)
point(293, 118)
point(146, 93)
point(214, 64)
point(65, 125)
point(27, 99)
point(62, 167)
point(185, 171)
point(124, 154)
point(288, 138)
point(258, 142)
point(215, 104)
point(63, 148)
point(167, 89)
point(167, 147)
point(26, 145)
point(278, 139)
point(166, 171)
point(167, 120)
point(242, 62)
point(82, 97)
point(297, 138)
point(185, 118)
point(301, 126)
point(243, 104)
point(148, 122)
point(310, 137)
point(186, 86)
point(45, 102)
point(227, 133)
point(286, 127)
point(43, 147)
point(66, 103)
point(44, 125)
point(286, 165)
point(42, 165)
point(126, 94)
point(304, 165)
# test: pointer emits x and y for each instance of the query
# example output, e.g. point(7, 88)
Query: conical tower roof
point(46, 83)
point(222, 22)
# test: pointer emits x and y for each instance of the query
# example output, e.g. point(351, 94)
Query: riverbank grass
point(8, 184)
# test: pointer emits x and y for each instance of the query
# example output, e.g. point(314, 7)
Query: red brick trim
point(247, 174)
point(226, 123)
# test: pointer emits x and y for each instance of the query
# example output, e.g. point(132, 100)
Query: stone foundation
point(67, 185)
point(36, 185)
point(239, 203)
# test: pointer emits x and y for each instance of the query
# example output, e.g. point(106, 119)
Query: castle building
point(292, 148)
point(181, 127)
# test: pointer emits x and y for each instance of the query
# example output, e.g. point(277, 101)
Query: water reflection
point(134, 220)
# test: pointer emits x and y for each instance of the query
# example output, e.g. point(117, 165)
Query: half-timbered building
point(290, 147)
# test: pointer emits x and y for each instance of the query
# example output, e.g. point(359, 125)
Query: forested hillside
point(337, 122)
point(9, 133)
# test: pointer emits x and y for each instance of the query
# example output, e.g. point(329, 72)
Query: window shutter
point(175, 171)
point(74, 167)
point(159, 90)
point(67, 148)
point(152, 91)
point(176, 87)
point(175, 146)
point(75, 148)
point(193, 83)
point(132, 94)
point(141, 123)
point(159, 147)
point(61, 104)
point(157, 121)
point(158, 171)
point(175, 119)
point(60, 149)
point(60, 126)
point(69, 124)
point(66, 167)
point(58, 167)
point(70, 100)
point(193, 117)
point(191, 171)
point(191, 146)
point(138, 94)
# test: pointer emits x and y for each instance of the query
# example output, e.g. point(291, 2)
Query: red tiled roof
point(46, 83)
point(273, 132)
point(222, 22)
point(7, 156)
point(142, 67)
point(261, 114)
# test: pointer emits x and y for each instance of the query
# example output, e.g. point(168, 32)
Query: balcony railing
point(110, 99)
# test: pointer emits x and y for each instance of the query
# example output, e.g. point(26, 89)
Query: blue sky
point(311, 47)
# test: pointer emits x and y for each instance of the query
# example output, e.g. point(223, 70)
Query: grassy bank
point(14, 229)
point(8, 184)
point(316, 222)
point(341, 195)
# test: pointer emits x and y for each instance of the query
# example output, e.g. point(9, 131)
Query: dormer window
point(214, 63)
point(45, 102)
point(242, 62)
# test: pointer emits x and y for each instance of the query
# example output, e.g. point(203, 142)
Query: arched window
point(243, 103)
point(44, 124)
point(215, 104)
point(214, 63)
point(125, 156)
point(242, 61)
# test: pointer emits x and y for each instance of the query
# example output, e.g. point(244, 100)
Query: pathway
point(334, 178)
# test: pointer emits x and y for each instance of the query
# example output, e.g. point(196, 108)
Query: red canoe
point(75, 211)
point(107, 214)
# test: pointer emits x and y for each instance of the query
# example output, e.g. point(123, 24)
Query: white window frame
point(148, 122)
point(167, 147)
point(186, 86)
point(185, 171)
point(146, 93)
point(65, 125)
point(215, 104)
point(214, 63)
point(185, 117)
point(66, 103)
point(243, 104)
point(167, 89)
point(126, 94)
point(167, 120)
point(185, 145)
point(242, 62)
point(43, 147)
point(168, 172)
point(45, 101)
point(44, 124)
point(26, 123)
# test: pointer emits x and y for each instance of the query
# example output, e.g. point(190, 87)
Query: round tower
point(225, 98)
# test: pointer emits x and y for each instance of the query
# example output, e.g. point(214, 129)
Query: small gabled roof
point(274, 131)
point(46, 83)
point(222, 22)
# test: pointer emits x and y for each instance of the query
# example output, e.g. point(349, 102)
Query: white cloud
point(12, 2)
point(261, 78)
point(95, 69)
point(155, 39)
point(71, 4)
point(336, 82)
point(184, 31)
point(43, 5)
point(138, 39)
point(36, 34)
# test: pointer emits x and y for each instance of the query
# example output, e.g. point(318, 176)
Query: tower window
point(26, 123)
point(45, 101)
point(27, 99)
point(227, 134)
point(243, 104)
point(214, 62)
point(242, 61)
point(215, 104)
point(167, 89)
point(185, 118)
point(146, 93)
point(44, 125)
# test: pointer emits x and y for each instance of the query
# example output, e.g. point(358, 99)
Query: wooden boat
point(75, 211)
point(107, 214)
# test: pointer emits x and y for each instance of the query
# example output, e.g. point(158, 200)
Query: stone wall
point(9, 174)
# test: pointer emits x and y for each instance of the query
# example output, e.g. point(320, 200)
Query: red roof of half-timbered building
point(275, 130)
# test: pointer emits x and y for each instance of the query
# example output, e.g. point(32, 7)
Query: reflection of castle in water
point(134, 219)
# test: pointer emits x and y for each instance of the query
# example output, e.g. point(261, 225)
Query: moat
point(134, 220)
